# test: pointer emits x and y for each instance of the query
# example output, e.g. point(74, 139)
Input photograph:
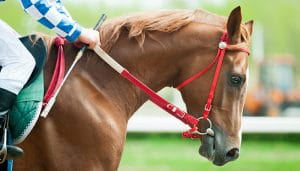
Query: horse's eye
point(235, 80)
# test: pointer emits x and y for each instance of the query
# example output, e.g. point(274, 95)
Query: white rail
point(250, 124)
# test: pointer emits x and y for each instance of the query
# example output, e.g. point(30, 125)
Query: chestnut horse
point(86, 129)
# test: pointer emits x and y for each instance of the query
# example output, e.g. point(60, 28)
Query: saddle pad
point(26, 109)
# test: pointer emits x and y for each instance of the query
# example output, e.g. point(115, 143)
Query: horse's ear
point(249, 26)
point(234, 25)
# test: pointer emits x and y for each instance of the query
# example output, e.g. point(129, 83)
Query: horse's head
point(230, 92)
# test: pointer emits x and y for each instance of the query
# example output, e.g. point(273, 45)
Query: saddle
point(36, 46)
point(27, 107)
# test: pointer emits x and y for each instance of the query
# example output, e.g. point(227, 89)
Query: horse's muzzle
point(218, 149)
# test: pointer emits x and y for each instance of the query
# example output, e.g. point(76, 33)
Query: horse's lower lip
point(215, 162)
point(207, 149)
point(210, 155)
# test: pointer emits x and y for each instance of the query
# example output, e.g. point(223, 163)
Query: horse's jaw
point(218, 149)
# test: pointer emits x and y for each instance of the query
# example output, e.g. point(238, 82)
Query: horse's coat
point(86, 129)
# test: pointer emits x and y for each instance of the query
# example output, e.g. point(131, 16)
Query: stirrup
point(3, 150)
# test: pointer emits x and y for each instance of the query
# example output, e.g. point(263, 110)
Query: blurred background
point(272, 112)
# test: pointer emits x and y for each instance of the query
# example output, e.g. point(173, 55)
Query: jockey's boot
point(6, 151)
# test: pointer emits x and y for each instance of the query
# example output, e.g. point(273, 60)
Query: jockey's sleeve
point(54, 16)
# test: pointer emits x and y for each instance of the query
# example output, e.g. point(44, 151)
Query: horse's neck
point(153, 65)
point(156, 65)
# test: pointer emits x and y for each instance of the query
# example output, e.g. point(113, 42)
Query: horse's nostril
point(233, 154)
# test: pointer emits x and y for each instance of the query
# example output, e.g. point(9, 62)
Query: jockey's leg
point(17, 65)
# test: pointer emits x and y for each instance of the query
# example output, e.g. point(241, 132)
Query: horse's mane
point(138, 25)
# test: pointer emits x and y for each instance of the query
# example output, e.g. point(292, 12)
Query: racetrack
point(171, 153)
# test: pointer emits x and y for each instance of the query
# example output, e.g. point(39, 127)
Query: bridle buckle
point(207, 107)
point(175, 110)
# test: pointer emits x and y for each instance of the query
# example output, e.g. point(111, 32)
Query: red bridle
point(223, 46)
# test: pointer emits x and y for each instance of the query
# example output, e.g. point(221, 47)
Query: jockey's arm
point(53, 15)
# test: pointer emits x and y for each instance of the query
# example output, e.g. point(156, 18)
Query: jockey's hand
point(90, 37)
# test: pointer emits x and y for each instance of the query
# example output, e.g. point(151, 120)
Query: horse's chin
point(207, 149)
point(216, 150)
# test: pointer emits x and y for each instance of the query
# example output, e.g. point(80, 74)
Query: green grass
point(171, 153)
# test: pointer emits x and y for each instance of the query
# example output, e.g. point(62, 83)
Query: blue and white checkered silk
point(54, 16)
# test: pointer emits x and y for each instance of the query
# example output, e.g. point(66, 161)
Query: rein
point(185, 117)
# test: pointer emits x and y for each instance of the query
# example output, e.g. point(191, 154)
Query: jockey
point(17, 64)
